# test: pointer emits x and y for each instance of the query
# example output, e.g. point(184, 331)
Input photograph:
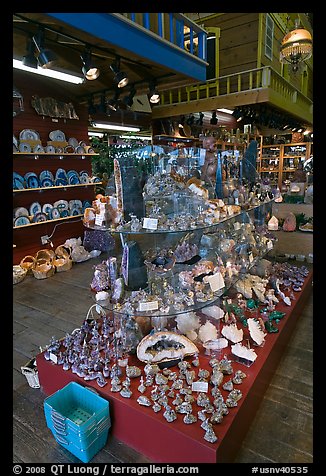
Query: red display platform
point(162, 442)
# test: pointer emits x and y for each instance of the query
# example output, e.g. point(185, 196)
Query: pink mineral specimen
point(290, 222)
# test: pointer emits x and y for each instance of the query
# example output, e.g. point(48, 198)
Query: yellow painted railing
point(258, 78)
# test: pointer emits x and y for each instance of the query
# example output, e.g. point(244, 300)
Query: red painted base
point(162, 442)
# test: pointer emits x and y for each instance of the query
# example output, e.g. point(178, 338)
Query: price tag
point(251, 258)
point(215, 281)
point(99, 218)
point(199, 386)
point(54, 358)
point(148, 306)
point(269, 244)
point(150, 223)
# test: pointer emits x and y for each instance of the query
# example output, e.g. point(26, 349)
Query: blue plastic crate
point(79, 419)
point(85, 454)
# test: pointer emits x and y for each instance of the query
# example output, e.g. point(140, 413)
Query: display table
point(150, 434)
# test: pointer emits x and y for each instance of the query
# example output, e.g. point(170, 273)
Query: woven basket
point(19, 274)
point(28, 263)
point(63, 263)
point(46, 254)
point(63, 251)
point(43, 269)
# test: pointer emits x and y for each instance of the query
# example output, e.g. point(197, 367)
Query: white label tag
point(237, 225)
point(54, 358)
point(215, 281)
point(251, 258)
point(269, 244)
point(148, 306)
point(199, 386)
point(99, 219)
point(150, 223)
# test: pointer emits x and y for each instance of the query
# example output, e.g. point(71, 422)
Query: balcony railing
point(281, 91)
point(174, 28)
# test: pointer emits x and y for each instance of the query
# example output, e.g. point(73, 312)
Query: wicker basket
point(43, 269)
point(28, 263)
point(46, 254)
point(63, 263)
point(19, 274)
point(62, 251)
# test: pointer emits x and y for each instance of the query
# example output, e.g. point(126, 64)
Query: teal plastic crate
point(79, 419)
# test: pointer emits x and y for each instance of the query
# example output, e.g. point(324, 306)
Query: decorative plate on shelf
point(82, 143)
point(55, 214)
point(58, 136)
point(73, 141)
point(61, 204)
point(47, 183)
point(38, 149)
point(73, 177)
point(86, 204)
point(63, 212)
point(75, 203)
point(85, 179)
point(50, 149)
point(21, 212)
point(80, 150)
point(38, 217)
point(35, 208)
point(19, 221)
point(24, 147)
point(61, 177)
point(46, 174)
point(31, 180)
point(47, 209)
point(75, 210)
point(18, 181)
point(29, 134)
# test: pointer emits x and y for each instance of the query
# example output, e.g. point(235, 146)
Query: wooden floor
point(280, 433)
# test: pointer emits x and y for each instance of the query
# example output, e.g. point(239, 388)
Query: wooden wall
point(28, 239)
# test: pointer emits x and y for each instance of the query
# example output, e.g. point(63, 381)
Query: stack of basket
point(79, 420)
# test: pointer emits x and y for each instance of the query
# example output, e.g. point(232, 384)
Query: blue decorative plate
point(47, 209)
point(64, 213)
point(39, 217)
point(25, 147)
point(73, 177)
point(35, 208)
point(86, 204)
point(55, 213)
point(46, 174)
point(59, 204)
point(32, 180)
point(47, 183)
point(61, 177)
point(21, 212)
point(75, 203)
point(75, 211)
point(19, 221)
point(57, 136)
point(18, 181)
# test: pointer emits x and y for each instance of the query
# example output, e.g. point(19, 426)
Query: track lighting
point(89, 70)
point(120, 77)
point(214, 119)
point(113, 102)
point(30, 59)
point(129, 99)
point(45, 57)
point(154, 95)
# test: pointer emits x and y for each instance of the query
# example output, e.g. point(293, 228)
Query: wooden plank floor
point(280, 433)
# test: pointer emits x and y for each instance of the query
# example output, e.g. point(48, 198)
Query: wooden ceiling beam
point(229, 101)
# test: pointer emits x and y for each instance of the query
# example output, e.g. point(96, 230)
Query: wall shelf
point(56, 187)
point(48, 221)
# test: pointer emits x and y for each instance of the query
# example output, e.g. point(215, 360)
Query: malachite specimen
point(270, 328)
point(251, 304)
point(276, 315)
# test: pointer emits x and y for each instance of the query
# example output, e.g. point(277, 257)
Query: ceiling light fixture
point(30, 59)
point(214, 119)
point(296, 47)
point(113, 102)
point(50, 73)
point(120, 77)
point(45, 57)
point(227, 111)
point(129, 99)
point(89, 70)
point(154, 95)
point(114, 127)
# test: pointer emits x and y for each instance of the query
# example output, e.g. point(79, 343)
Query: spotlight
point(30, 59)
point(113, 102)
point(154, 95)
point(45, 57)
point(89, 70)
point(119, 76)
point(214, 119)
point(129, 100)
